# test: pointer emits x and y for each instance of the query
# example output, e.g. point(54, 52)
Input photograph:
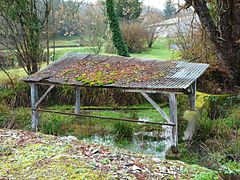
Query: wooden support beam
point(192, 96)
point(155, 105)
point(35, 117)
point(77, 103)
point(106, 118)
point(149, 91)
point(173, 119)
point(44, 95)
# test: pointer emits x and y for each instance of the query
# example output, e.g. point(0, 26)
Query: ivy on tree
point(117, 38)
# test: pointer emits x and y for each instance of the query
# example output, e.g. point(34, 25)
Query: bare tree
point(23, 23)
point(93, 27)
point(150, 21)
point(67, 16)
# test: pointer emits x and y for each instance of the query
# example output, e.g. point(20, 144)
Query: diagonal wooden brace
point(155, 105)
point(44, 95)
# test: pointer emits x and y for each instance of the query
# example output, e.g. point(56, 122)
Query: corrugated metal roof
point(130, 73)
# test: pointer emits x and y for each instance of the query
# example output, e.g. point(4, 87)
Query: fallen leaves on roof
point(95, 73)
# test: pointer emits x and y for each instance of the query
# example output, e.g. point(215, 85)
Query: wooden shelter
point(128, 74)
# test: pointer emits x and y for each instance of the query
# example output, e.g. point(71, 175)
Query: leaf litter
point(29, 155)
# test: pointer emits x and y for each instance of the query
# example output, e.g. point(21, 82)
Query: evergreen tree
point(169, 9)
point(115, 28)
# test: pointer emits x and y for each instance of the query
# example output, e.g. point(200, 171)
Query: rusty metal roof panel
point(120, 72)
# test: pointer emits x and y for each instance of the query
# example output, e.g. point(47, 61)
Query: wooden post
point(192, 96)
point(34, 96)
point(77, 104)
point(173, 119)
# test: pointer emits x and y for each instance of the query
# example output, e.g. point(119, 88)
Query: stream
point(152, 143)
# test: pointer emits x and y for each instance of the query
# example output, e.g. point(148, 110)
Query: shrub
point(230, 168)
point(219, 106)
point(15, 96)
point(22, 118)
point(219, 139)
point(123, 130)
point(4, 114)
point(206, 176)
point(135, 35)
point(62, 95)
point(15, 118)
point(55, 124)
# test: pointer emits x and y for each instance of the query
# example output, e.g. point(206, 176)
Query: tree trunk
point(150, 44)
point(34, 66)
point(226, 34)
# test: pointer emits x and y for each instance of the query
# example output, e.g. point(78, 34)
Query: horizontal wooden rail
point(112, 108)
point(105, 118)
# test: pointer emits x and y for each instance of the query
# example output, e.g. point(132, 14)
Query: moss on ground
point(28, 155)
point(43, 160)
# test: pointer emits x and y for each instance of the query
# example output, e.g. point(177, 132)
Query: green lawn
point(145, 115)
point(66, 41)
point(159, 50)
point(60, 52)
point(16, 74)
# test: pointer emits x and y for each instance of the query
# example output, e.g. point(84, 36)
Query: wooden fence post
point(77, 104)
point(173, 119)
point(34, 96)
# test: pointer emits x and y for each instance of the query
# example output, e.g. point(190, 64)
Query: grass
point(160, 50)
point(150, 115)
point(60, 52)
point(15, 73)
point(66, 41)
point(147, 114)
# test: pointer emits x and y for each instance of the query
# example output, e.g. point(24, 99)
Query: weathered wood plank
point(173, 119)
point(77, 104)
point(155, 105)
point(35, 117)
point(150, 91)
point(44, 95)
point(192, 96)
